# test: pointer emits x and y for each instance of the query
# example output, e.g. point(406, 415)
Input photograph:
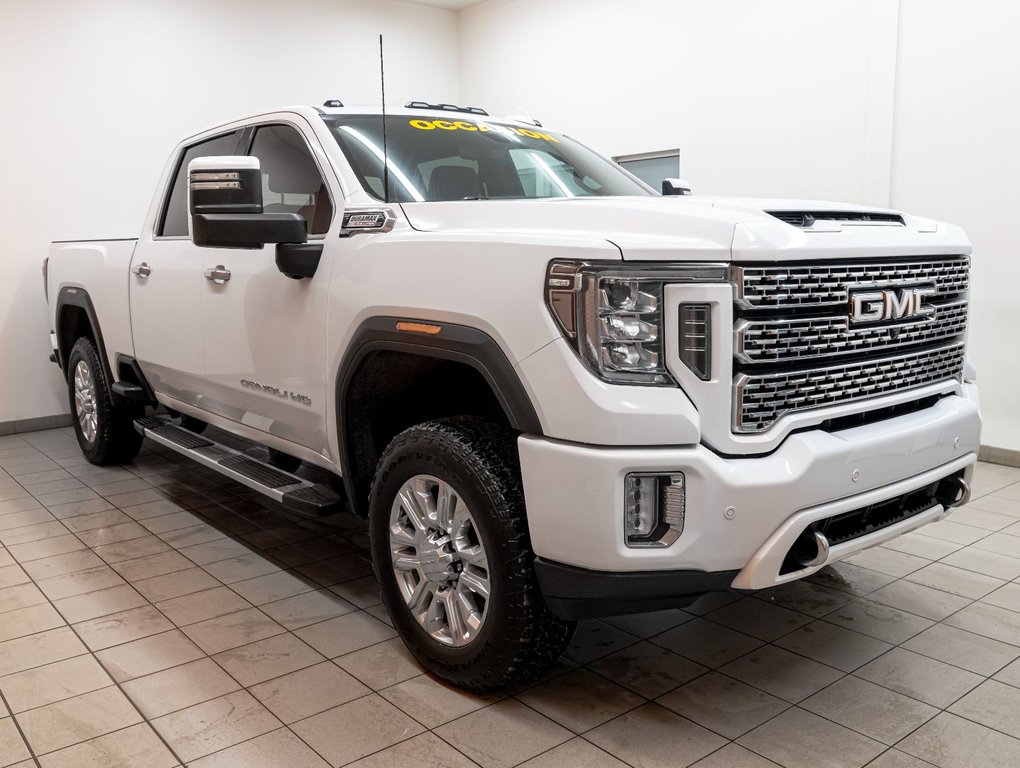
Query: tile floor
point(155, 615)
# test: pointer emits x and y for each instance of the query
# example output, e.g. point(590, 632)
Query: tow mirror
point(225, 203)
point(675, 187)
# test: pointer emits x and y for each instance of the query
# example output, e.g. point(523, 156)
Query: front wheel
point(105, 432)
point(453, 557)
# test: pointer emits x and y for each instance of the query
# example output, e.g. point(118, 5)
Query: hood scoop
point(807, 219)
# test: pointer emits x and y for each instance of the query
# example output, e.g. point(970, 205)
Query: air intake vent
point(807, 218)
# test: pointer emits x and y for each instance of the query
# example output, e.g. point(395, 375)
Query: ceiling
point(453, 5)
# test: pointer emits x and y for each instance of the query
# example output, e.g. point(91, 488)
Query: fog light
point(654, 509)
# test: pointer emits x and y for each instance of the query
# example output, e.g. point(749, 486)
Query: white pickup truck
point(554, 392)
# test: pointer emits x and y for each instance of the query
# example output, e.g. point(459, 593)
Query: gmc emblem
point(877, 306)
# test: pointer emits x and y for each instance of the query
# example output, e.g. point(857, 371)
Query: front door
point(264, 333)
point(166, 288)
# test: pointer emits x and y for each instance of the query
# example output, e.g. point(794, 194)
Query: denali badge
point(283, 394)
point(904, 304)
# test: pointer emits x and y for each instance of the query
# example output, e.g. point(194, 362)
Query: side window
point(291, 182)
point(175, 215)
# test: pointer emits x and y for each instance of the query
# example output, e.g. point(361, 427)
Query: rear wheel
point(105, 432)
point(453, 557)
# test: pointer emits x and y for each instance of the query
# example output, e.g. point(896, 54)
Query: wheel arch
point(390, 365)
point(75, 317)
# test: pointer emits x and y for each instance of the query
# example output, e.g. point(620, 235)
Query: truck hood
point(690, 227)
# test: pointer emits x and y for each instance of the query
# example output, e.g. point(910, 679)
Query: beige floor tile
point(150, 509)
point(260, 661)
point(1007, 596)
point(102, 602)
point(888, 561)
point(919, 677)
point(799, 739)
point(172, 521)
point(276, 749)
point(879, 621)
point(232, 630)
point(382, 665)
point(580, 700)
point(345, 634)
point(993, 704)
point(654, 737)
point(809, 597)
point(919, 599)
point(308, 691)
point(956, 533)
point(27, 621)
point(734, 756)
point(869, 709)
point(646, 625)
point(54, 682)
point(148, 655)
point(893, 758)
point(985, 562)
point(197, 534)
point(151, 566)
point(214, 725)
point(36, 532)
point(49, 547)
point(132, 747)
point(21, 596)
point(706, 642)
point(336, 570)
point(647, 669)
point(424, 751)
point(12, 747)
point(758, 618)
point(14, 520)
point(1000, 543)
point(576, 753)
point(71, 721)
point(179, 687)
point(503, 734)
point(989, 620)
point(122, 627)
point(214, 551)
point(13, 575)
point(433, 702)
point(200, 606)
point(240, 568)
point(833, 645)
point(79, 583)
point(36, 650)
point(363, 592)
point(781, 673)
point(996, 503)
point(272, 587)
point(956, 581)
point(722, 704)
point(963, 649)
point(356, 729)
point(112, 534)
point(949, 741)
point(175, 584)
point(96, 520)
point(131, 549)
point(79, 508)
point(981, 518)
point(308, 608)
point(595, 639)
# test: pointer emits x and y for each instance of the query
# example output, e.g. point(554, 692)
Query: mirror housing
point(225, 206)
point(675, 187)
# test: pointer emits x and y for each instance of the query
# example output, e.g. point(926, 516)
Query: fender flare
point(458, 343)
point(79, 297)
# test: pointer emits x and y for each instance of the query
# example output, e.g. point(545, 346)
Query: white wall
point(909, 103)
point(957, 156)
point(95, 94)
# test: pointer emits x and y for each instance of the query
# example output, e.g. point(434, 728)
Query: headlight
point(612, 314)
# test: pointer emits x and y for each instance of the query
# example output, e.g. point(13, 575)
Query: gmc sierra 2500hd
point(553, 392)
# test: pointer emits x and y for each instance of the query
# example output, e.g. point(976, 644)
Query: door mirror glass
point(225, 206)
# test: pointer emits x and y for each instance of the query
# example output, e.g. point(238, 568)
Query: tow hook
point(953, 492)
point(821, 553)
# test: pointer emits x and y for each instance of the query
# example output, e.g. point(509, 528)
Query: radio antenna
point(385, 153)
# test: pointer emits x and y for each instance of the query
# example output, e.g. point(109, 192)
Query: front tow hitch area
point(811, 549)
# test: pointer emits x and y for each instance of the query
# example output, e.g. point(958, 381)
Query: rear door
point(264, 333)
point(166, 288)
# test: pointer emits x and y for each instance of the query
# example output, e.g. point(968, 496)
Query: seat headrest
point(453, 182)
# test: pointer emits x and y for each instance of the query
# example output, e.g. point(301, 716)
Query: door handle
point(142, 270)
point(218, 274)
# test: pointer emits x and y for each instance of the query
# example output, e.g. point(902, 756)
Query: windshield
point(473, 159)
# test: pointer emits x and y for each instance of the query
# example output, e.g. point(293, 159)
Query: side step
point(295, 493)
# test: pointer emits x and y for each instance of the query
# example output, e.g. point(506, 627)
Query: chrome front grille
point(797, 348)
point(828, 285)
point(810, 338)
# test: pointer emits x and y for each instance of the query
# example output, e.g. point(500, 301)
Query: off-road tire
point(115, 440)
point(519, 638)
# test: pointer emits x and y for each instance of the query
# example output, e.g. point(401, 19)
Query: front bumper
point(742, 512)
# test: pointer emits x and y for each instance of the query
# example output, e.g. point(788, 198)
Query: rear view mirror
point(225, 205)
point(675, 187)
